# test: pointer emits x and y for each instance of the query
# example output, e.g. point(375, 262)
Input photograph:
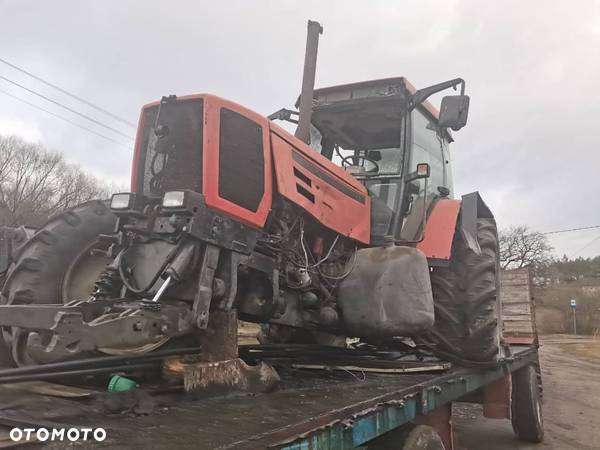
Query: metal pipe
point(97, 362)
point(162, 289)
point(80, 373)
point(308, 81)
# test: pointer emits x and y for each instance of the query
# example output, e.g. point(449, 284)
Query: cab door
point(426, 147)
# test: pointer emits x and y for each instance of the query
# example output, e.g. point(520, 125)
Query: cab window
point(427, 147)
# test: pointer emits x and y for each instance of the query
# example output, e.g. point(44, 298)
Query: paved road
point(571, 407)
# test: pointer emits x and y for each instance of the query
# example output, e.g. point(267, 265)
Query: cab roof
point(365, 115)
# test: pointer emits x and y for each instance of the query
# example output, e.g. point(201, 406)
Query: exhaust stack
point(308, 81)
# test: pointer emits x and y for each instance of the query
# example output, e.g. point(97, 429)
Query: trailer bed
point(313, 409)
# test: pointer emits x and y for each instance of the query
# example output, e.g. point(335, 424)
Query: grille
point(175, 160)
point(241, 160)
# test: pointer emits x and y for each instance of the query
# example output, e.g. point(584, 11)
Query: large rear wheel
point(56, 265)
point(465, 298)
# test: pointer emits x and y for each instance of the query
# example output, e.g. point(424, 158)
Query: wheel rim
point(78, 284)
point(82, 273)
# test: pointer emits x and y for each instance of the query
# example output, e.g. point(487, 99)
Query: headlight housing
point(173, 199)
point(122, 201)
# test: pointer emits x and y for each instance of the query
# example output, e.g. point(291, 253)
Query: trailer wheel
point(526, 405)
point(465, 301)
point(56, 265)
point(409, 437)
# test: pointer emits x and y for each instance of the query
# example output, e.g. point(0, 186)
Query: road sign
point(573, 305)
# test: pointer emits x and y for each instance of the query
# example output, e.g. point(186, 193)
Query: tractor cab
point(392, 141)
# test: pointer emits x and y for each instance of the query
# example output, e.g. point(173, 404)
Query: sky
point(532, 70)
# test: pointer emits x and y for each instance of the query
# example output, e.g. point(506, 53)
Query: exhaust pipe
point(308, 81)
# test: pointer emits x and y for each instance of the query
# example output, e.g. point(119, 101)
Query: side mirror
point(423, 171)
point(454, 111)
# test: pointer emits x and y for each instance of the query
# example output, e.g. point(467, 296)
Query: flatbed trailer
point(314, 408)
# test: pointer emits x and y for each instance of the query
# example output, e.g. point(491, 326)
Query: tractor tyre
point(465, 298)
point(526, 405)
point(56, 264)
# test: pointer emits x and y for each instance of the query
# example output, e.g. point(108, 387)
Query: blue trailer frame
point(394, 412)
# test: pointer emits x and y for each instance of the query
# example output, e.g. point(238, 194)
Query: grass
point(589, 350)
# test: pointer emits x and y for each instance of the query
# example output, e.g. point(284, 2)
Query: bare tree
point(36, 183)
point(521, 247)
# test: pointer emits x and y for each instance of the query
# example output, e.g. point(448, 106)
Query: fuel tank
point(387, 294)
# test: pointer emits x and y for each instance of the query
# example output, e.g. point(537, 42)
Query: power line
point(572, 229)
point(586, 246)
point(91, 119)
point(70, 94)
point(64, 118)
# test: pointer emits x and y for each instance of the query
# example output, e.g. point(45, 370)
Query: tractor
point(347, 228)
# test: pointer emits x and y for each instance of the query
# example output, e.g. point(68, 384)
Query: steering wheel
point(346, 162)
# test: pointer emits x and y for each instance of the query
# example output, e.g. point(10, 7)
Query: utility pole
point(573, 305)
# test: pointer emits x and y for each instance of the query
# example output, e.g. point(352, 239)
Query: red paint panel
point(325, 191)
point(210, 158)
point(210, 180)
point(439, 230)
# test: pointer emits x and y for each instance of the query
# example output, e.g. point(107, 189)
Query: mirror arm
point(423, 94)
point(284, 114)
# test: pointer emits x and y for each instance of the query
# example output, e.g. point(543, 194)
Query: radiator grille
point(174, 161)
point(241, 160)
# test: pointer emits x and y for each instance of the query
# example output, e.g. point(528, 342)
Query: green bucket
point(117, 383)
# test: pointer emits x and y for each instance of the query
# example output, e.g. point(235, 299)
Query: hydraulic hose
point(124, 276)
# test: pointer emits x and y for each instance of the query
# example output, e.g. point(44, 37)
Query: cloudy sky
point(532, 71)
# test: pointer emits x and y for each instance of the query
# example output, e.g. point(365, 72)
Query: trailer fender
point(442, 224)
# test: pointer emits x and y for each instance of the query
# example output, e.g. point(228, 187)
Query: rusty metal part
point(496, 398)
point(204, 291)
point(56, 332)
point(308, 81)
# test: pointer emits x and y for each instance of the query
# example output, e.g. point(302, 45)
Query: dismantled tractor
point(347, 229)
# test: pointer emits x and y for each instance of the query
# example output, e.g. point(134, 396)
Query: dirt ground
point(571, 377)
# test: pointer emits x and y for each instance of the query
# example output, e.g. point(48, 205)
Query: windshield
point(388, 161)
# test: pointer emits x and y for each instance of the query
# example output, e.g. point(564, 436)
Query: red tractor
point(349, 228)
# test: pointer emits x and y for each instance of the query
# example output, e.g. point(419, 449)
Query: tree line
point(522, 247)
point(36, 183)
